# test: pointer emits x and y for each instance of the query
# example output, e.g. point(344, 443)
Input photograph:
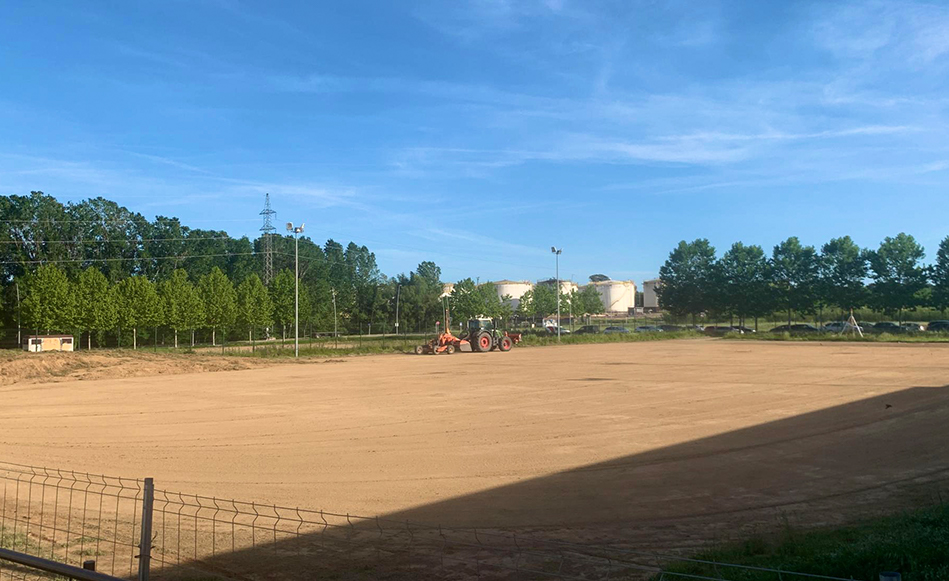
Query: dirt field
point(665, 444)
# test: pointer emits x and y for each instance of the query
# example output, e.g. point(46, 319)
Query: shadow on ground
point(826, 467)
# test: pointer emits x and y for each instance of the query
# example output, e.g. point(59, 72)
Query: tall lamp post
point(296, 231)
point(398, 290)
point(557, 252)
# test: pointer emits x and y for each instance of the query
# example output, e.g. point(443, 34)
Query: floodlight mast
point(296, 290)
point(556, 251)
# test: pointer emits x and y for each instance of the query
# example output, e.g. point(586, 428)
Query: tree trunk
point(89, 341)
point(213, 336)
point(176, 338)
point(192, 338)
point(134, 338)
point(756, 323)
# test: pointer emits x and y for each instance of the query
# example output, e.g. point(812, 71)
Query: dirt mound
point(21, 367)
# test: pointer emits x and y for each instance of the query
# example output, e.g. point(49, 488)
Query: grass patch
point(532, 340)
point(915, 544)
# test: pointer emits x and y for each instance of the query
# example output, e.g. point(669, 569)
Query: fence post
point(145, 546)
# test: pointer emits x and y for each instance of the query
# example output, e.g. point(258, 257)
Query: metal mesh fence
point(69, 517)
point(73, 517)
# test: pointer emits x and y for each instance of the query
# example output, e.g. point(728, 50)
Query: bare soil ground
point(658, 444)
point(21, 367)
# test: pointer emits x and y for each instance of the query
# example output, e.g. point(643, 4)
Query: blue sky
point(478, 134)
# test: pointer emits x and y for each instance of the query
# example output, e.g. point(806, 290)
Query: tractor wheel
point(419, 349)
point(484, 342)
point(505, 344)
point(450, 349)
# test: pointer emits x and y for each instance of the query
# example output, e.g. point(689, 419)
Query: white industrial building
point(650, 298)
point(618, 296)
point(511, 291)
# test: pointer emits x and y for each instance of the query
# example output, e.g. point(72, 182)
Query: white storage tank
point(618, 296)
point(650, 298)
point(566, 286)
point(513, 290)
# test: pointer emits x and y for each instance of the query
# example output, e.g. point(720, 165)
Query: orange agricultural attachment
point(481, 337)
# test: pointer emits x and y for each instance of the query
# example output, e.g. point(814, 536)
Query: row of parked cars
point(802, 328)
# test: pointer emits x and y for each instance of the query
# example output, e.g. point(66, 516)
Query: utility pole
point(398, 289)
point(557, 252)
point(335, 333)
point(296, 298)
point(19, 340)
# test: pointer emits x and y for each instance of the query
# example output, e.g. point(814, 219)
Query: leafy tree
point(940, 276)
point(184, 308)
point(743, 272)
point(794, 276)
point(544, 300)
point(587, 301)
point(282, 299)
point(687, 279)
point(843, 269)
point(466, 302)
point(898, 278)
point(49, 303)
point(220, 301)
point(96, 303)
point(138, 305)
point(254, 308)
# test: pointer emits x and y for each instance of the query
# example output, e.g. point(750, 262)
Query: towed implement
point(481, 336)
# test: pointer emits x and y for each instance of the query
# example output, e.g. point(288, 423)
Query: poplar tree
point(49, 302)
point(940, 276)
point(254, 308)
point(182, 306)
point(138, 305)
point(96, 308)
point(898, 276)
point(220, 301)
point(794, 269)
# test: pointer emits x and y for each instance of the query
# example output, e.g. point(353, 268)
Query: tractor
point(481, 336)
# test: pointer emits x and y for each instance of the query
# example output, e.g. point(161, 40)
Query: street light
point(296, 292)
point(557, 252)
point(398, 291)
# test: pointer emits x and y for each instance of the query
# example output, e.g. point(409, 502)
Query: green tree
point(466, 302)
point(184, 308)
point(96, 303)
point(743, 271)
point(587, 301)
point(49, 303)
point(794, 276)
point(898, 277)
point(687, 279)
point(253, 305)
point(843, 270)
point(940, 276)
point(138, 305)
point(220, 301)
point(282, 299)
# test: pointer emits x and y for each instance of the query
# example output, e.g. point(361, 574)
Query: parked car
point(798, 328)
point(912, 327)
point(938, 327)
point(611, 330)
point(840, 327)
point(587, 330)
point(740, 329)
point(552, 329)
point(717, 330)
point(670, 328)
point(647, 329)
point(887, 327)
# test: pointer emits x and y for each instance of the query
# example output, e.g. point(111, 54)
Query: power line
point(141, 258)
point(117, 240)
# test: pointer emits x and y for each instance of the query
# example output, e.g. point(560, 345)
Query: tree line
point(96, 266)
point(746, 283)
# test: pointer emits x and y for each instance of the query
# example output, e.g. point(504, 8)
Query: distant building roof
point(512, 282)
